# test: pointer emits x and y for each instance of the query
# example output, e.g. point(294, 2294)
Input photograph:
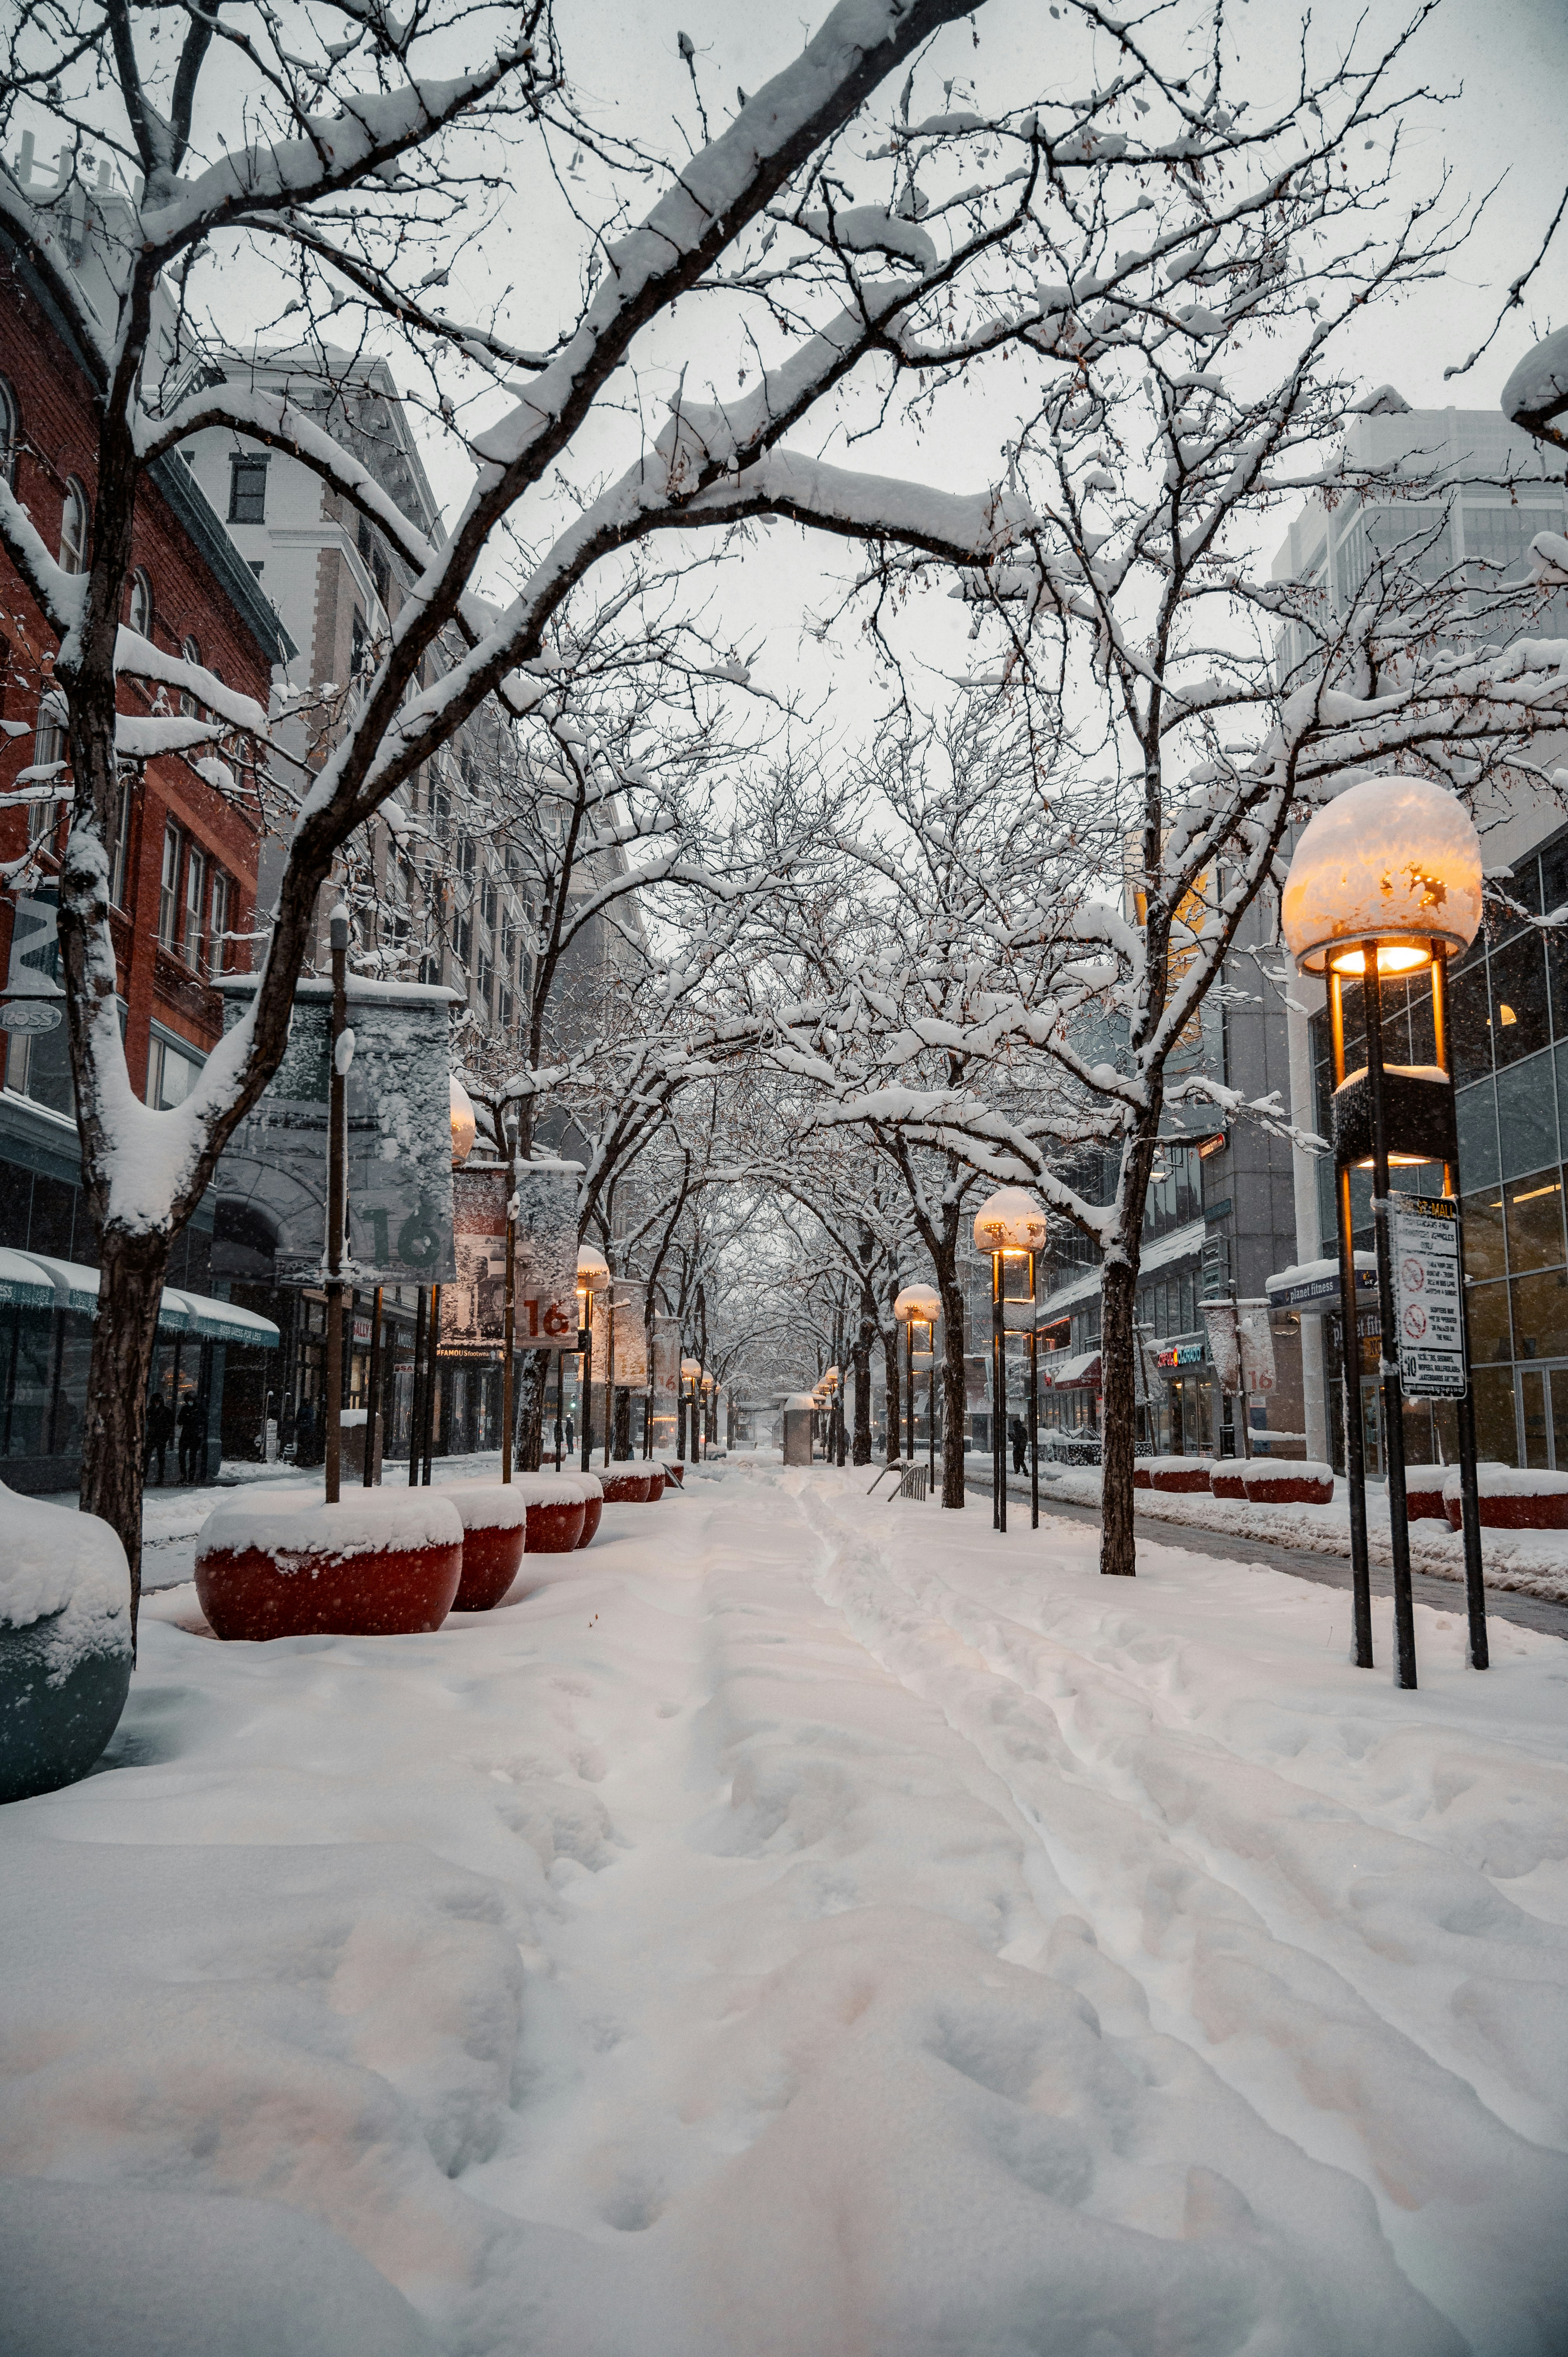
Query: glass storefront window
point(1497, 1435)
point(1469, 1021)
point(1490, 1333)
point(1484, 1255)
point(1476, 1112)
point(1535, 1222)
point(1541, 1315)
point(1520, 1019)
point(1527, 1118)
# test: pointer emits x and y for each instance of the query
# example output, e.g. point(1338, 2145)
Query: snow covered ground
point(1535, 1563)
point(809, 1926)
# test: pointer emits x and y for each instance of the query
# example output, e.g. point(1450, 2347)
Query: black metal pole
point(373, 1392)
point(337, 1207)
point(432, 1379)
point(1034, 1407)
point(417, 1404)
point(1388, 1347)
point(1350, 1355)
point(588, 1434)
point(1469, 1495)
point(560, 1404)
point(931, 1422)
point(909, 1390)
point(999, 1338)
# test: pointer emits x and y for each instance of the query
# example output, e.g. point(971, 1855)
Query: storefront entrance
point(1541, 1404)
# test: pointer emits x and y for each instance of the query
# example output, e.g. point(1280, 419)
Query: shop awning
point(23, 1283)
point(1079, 1373)
point(1313, 1285)
point(38, 1281)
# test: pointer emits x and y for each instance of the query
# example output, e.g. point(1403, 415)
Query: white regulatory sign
point(1424, 1240)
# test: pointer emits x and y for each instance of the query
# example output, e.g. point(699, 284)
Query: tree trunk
point(113, 1442)
point(864, 1336)
point(1119, 1285)
point(537, 1368)
point(954, 1404)
point(891, 1370)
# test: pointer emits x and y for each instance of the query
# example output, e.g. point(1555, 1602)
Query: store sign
point(1181, 1354)
point(1424, 1240)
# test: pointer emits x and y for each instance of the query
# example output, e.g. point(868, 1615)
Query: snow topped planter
point(381, 1562)
point(557, 1509)
point(655, 1484)
point(1299, 1483)
point(1142, 1478)
point(625, 1487)
point(495, 1524)
point(65, 1644)
point(1512, 1498)
point(593, 1492)
point(1423, 1492)
point(1180, 1476)
point(1229, 1484)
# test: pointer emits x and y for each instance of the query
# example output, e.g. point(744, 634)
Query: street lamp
point(708, 1388)
point(465, 1128)
point(917, 1309)
point(1387, 880)
point(427, 1322)
point(593, 1276)
point(1011, 1226)
point(691, 1375)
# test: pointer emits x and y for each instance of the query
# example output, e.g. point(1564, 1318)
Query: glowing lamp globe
point(707, 1383)
point(1010, 1221)
point(922, 1302)
point(592, 1270)
point(464, 1126)
point(1393, 861)
point(690, 1371)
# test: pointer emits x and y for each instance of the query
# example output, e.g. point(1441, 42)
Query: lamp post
point(917, 1309)
point(593, 1276)
point(1011, 1226)
point(428, 1391)
point(707, 1416)
point(510, 1126)
point(1386, 880)
point(336, 1195)
point(691, 1376)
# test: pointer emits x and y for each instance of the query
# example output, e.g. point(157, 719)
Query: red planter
point(655, 1485)
point(1141, 1478)
point(1289, 1485)
point(495, 1524)
point(555, 1525)
point(593, 1515)
point(1513, 1509)
point(624, 1489)
point(1424, 1494)
point(1228, 1485)
point(294, 1567)
point(676, 1473)
point(1180, 1476)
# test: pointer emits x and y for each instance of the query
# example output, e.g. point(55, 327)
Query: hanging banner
point(472, 1304)
point(270, 1188)
point(1426, 1245)
point(1219, 1323)
point(546, 1265)
point(625, 1296)
point(1255, 1340)
point(666, 1351)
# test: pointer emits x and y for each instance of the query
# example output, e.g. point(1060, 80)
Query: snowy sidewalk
point(810, 1926)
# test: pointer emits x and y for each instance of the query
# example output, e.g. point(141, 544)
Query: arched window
point(190, 649)
point(10, 433)
point(140, 614)
point(73, 529)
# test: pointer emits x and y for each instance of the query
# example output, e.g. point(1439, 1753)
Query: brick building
point(184, 868)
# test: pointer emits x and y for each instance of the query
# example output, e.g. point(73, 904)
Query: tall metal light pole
point(593, 1276)
point(1386, 882)
point(1011, 1226)
point(336, 1195)
point(510, 1126)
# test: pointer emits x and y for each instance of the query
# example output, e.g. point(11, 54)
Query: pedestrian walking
point(160, 1431)
point(1018, 1435)
point(192, 1424)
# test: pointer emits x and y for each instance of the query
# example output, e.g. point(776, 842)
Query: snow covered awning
point(1079, 1372)
point(39, 1281)
point(1313, 1284)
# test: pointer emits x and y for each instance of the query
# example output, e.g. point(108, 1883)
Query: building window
point(195, 898)
point(217, 923)
point(73, 529)
point(168, 886)
point(191, 650)
point(10, 433)
point(488, 902)
point(247, 490)
point(486, 983)
point(48, 753)
point(356, 644)
point(140, 611)
point(171, 1073)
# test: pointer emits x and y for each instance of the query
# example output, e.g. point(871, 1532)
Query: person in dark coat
point(160, 1431)
point(1019, 1434)
point(305, 1433)
point(192, 1424)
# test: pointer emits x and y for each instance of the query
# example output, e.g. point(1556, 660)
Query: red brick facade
point(54, 445)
